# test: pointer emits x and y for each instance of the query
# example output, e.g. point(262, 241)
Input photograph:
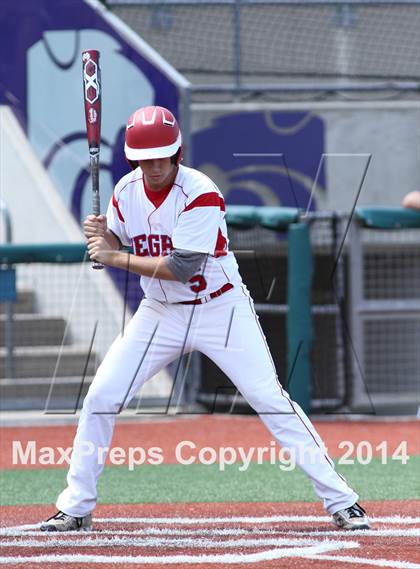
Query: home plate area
point(221, 541)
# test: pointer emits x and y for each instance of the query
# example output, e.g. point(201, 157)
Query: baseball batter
point(194, 299)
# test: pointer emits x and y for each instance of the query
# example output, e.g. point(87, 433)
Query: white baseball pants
point(227, 330)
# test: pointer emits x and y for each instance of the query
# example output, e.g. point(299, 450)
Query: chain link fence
point(385, 289)
point(65, 318)
point(270, 46)
point(262, 256)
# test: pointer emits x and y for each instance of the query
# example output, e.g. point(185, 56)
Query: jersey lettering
point(152, 245)
point(139, 245)
point(167, 246)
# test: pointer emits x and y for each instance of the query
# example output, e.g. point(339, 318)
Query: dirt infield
point(214, 430)
point(270, 535)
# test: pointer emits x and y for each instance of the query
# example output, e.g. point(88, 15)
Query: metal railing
point(8, 324)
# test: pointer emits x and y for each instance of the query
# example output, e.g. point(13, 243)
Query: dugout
point(299, 289)
point(365, 311)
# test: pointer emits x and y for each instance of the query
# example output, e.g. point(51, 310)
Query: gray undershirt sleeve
point(184, 264)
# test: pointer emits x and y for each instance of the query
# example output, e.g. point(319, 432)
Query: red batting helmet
point(152, 132)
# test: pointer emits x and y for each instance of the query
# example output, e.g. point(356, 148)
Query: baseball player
point(194, 299)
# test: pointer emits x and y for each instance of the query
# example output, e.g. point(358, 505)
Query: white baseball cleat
point(64, 522)
point(352, 518)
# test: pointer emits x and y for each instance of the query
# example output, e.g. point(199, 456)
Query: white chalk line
point(302, 550)
point(398, 520)
point(411, 532)
point(249, 520)
point(219, 532)
point(195, 543)
point(367, 561)
point(226, 558)
point(147, 531)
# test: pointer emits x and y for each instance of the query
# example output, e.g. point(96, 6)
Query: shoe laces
point(355, 511)
point(58, 516)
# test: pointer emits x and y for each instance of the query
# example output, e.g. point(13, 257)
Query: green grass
point(198, 483)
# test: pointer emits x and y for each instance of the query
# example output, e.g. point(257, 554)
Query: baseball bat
point(92, 96)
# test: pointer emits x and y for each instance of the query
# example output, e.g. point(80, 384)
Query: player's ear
point(180, 157)
point(177, 157)
point(132, 163)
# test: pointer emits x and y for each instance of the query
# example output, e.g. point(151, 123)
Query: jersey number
point(199, 283)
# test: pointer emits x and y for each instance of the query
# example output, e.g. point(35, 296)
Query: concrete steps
point(42, 361)
point(25, 303)
point(67, 393)
point(38, 356)
point(34, 330)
